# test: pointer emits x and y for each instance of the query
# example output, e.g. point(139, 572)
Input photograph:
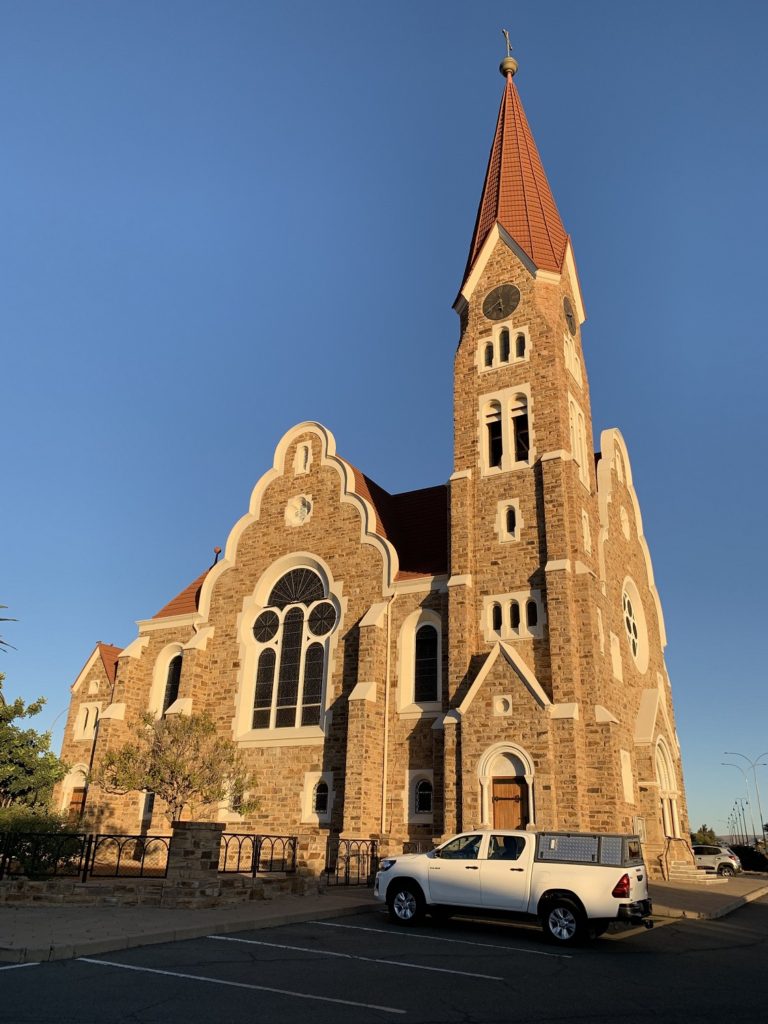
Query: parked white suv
point(575, 884)
point(721, 859)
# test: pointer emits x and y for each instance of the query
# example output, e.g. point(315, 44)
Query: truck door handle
point(517, 869)
point(471, 867)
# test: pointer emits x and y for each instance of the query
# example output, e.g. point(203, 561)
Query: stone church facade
point(488, 651)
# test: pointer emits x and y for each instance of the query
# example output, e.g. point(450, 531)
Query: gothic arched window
point(426, 672)
point(172, 681)
point(292, 633)
point(320, 798)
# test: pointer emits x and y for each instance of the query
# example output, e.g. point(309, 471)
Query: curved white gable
point(328, 457)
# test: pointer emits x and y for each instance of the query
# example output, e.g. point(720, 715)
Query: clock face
point(501, 302)
point(570, 316)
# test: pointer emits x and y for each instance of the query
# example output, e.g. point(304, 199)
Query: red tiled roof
point(109, 655)
point(516, 193)
point(415, 522)
point(185, 602)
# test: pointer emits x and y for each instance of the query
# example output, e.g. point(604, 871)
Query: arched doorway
point(506, 787)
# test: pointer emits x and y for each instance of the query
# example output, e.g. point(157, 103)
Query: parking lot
point(362, 968)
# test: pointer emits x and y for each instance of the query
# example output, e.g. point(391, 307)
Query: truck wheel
point(405, 902)
point(563, 922)
point(726, 871)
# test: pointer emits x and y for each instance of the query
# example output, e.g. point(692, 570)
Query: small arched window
point(520, 346)
point(320, 798)
point(489, 354)
point(514, 615)
point(504, 345)
point(493, 429)
point(172, 681)
point(511, 520)
point(531, 614)
point(496, 618)
point(423, 801)
point(426, 673)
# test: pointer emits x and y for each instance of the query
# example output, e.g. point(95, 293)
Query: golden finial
point(509, 65)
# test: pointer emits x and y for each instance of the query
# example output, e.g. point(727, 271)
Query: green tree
point(28, 768)
point(182, 760)
point(704, 837)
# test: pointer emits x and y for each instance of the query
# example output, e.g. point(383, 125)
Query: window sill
point(429, 709)
point(307, 736)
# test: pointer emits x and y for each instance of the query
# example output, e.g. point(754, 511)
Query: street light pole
point(740, 806)
point(730, 764)
point(753, 766)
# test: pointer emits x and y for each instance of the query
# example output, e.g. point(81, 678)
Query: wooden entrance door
point(510, 803)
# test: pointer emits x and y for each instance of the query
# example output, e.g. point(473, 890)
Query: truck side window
point(461, 848)
point(505, 848)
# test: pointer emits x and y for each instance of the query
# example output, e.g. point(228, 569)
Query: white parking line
point(353, 956)
point(12, 967)
point(441, 938)
point(239, 984)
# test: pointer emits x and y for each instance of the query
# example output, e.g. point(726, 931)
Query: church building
point(486, 652)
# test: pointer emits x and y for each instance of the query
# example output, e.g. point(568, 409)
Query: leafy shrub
point(19, 818)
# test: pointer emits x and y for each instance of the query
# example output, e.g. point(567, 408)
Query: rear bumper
point(635, 913)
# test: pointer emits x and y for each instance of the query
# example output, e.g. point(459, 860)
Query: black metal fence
point(121, 856)
point(43, 854)
point(40, 855)
point(351, 861)
point(418, 846)
point(244, 853)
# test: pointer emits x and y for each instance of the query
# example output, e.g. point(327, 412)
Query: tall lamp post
point(731, 764)
point(743, 820)
point(753, 765)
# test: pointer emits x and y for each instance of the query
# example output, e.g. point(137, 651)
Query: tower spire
point(516, 194)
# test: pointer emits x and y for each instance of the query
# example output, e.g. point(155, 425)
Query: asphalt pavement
point(360, 968)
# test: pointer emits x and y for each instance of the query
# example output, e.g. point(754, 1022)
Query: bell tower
point(523, 512)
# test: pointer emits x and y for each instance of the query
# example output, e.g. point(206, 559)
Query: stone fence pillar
point(193, 863)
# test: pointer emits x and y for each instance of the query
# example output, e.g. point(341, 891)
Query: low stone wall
point(132, 892)
point(192, 880)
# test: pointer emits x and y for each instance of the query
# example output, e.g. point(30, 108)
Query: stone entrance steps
point(689, 875)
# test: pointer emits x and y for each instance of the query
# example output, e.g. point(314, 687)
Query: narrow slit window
point(496, 618)
point(426, 668)
point(489, 354)
point(511, 520)
point(493, 427)
point(514, 615)
point(504, 345)
point(532, 614)
point(520, 346)
point(520, 432)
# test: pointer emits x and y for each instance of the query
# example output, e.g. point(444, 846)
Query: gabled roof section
point(516, 193)
point(184, 603)
point(414, 522)
point(109, 655)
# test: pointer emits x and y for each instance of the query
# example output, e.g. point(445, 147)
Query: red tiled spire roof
point(516, 193)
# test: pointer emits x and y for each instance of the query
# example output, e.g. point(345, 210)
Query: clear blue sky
point(221, 218)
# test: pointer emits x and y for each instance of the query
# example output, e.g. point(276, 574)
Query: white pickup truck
point(574, 883)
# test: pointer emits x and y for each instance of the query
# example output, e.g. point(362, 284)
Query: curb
point(62, 951)
point(659, 910)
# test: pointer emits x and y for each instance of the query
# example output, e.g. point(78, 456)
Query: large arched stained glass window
point(292, 633)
